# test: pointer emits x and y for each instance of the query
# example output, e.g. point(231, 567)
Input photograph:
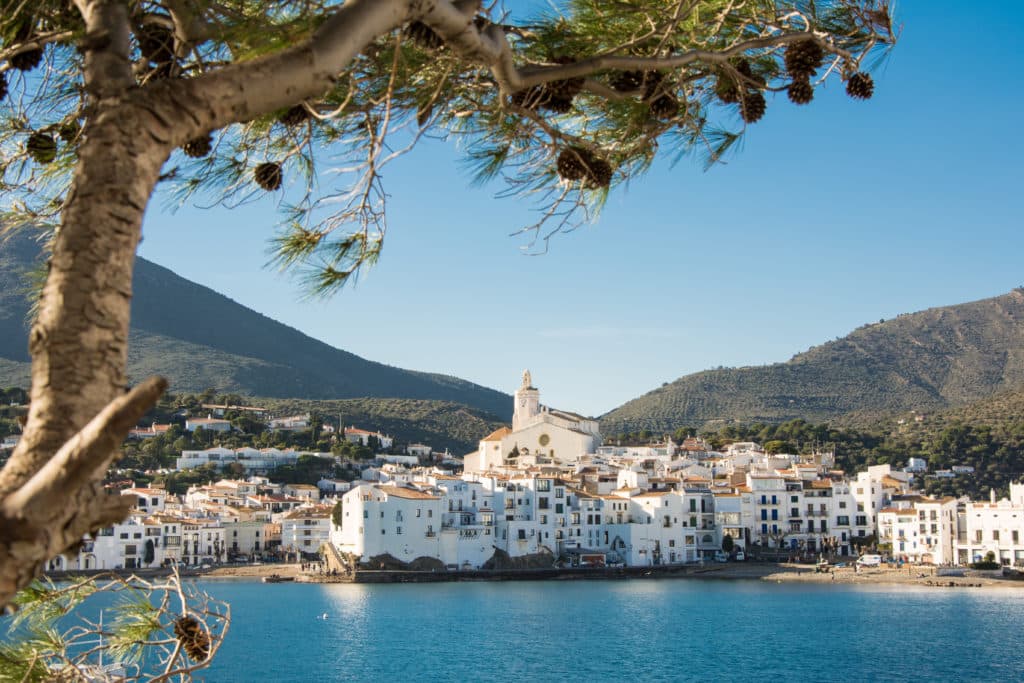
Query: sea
point(625, 630)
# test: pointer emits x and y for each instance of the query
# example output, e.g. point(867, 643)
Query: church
point(539, 435)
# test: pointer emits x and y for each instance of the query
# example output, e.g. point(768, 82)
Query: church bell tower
point(527, 403)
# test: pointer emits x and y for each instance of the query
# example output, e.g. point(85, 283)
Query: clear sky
point(830, 216)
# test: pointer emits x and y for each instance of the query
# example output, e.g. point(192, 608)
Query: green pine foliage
point(50, 638)
point(409, 83)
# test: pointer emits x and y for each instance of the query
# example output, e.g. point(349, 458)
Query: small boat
point(277, 578)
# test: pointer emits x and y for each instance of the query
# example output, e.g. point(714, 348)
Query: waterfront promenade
point(784, 572)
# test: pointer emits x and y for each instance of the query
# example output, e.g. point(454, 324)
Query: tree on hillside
point(224, 101)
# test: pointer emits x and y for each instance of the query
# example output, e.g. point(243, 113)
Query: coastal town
point(546, 492)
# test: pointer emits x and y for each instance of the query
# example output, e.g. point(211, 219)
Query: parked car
point(740, 556)
point(869, 560)
point(721, 556)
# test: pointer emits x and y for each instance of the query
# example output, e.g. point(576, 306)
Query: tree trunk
point(51, 491)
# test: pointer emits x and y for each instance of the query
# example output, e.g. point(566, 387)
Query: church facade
point(538, 435)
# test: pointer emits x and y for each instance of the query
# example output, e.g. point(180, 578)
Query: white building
point(538, 435)
point(305, 529)
point(210, 424)
point(362, 436)
point(996, 527)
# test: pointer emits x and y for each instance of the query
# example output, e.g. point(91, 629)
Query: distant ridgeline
point(926, 361)
point(198, 338)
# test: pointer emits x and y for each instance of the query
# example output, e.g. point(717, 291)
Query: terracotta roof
point(497, 434)
point(407, 493)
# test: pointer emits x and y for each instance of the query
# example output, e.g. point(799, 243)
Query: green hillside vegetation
point(198, 338)
point(934, 359)
point(442, 425)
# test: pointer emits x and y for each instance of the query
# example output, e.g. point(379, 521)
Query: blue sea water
point(655, 630)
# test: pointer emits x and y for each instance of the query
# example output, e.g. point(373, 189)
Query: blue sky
point(829, 216)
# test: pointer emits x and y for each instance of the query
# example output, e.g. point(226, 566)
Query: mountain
point(934, 359)
point(198, 338)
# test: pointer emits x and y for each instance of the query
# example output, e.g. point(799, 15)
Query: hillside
point(198, 338)
point(934, 359)
point(440, 424)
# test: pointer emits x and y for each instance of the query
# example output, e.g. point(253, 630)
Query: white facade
point(538, 435)
point(996, 527)
point(305, 529)
point(251, 459)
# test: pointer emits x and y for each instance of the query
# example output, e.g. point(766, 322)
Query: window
point(418, 512)
point(1016, 536)
point(775, 514)
point(559, 508)
point(995, 534)
point(842, 505)
point(398, 530)
point(559, 493)
point(129, 550)
point(542, 502)
point(366, 514)
point(793, 499)
point(977, 536)
point(764, 514)
point(543, 484)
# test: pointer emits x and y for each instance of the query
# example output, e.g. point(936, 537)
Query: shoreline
point(780, 573)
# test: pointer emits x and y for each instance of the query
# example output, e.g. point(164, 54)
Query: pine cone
point(567, 87)
point(626, 81)
point(652, 79)
point(295, 116)
point(69, 131)
point(573, 162)
point(194, 640)
point(664, 107)
point(27, 60)
point(268, 176)
point(531, 98)
point(41, 147)
point(803, 59)
point(860, 86)
point(156, 43)
point(726, 90)
point(198, 147)
point(579, 163)
point(800, 91)
point(599, 174)
point(423, 35)
point(752, 106)
point(750, 79)
point(558, 104)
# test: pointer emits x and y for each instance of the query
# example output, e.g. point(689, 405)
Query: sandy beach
point(907, 575)
point(769, 572)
